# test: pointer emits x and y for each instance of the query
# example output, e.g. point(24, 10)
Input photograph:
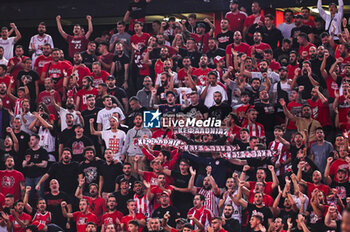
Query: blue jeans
point(32, 182)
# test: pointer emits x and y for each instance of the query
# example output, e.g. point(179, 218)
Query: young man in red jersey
point(112, 215)
point(133, 215)
point(18, 220)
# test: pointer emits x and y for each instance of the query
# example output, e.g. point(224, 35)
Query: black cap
point(111, 77)
point(298, 16)
point(234, 1)
point(283, 68)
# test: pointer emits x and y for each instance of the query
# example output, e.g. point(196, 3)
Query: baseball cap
point(298, 16)
point(283, 68)
point(234, 1)
point(165, 193)
point(111, 77)
point(217, 59)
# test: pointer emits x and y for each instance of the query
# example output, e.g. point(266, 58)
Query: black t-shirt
point(122, 201)
point(232, 225)
point(194, 57)
point(266, 116)
point(91, 171)
point(284, 215)
point(36, 157)
point(31, 77)
point(225, 39)
point(212, 54)
point(88, 59)
point(119, 69)
point(110, 173)
point(129, 121)
point(54, 206)
point(118, 92)
point(77, 146)
point(87, 115)
point(131, 180)
point(174, 214)
point(264, 212)
point(66, 174)
point(343, 190)
point(305, 81)
point(182, 200)
point(195, 109)
point(23, 139)
point(220, 112)
point(137, 9)
point(296, 31)
point(67, 134)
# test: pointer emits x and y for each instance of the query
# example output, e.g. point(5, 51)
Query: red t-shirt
point(331, 86)
point(182, 73)
point(57, 72)
point(7, 103)
point(45, 97)
point(40, 62)
point(268, 186)
point(6, 80)
point(310, 188)
point(295, 109)
point(274, 66)
point(126, 219)
point(242, 47)
point(151, 178)
point(82, 219)
point(108, 218)
point(251, 19)
point(108, 59)
point(291, 70)
point(261, 46)
point(320, 112)
point(343, 110)
point(201, 42)
point(81, 72)
point(140, 41)
point(309, 22)
point(241, 111)
point(305, 49)
point(44, 219)
point(96, 207)
point(2, 200)
point(100, 78)
point(17, 68)
point(10, 183)
point(201, 74)
point(23, 217)
point(157, 194)
point(236, 21)
point(76, 44)
point(268, 200)
point(83, 93)
point(335, 166)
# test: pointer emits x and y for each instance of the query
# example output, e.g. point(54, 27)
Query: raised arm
point(64, 210)
point(240, 200)
point(79, 191)
point(212, 27)
point(288, 114)
point(191, 186)
point(59, 26)
point(90, 30)
point(18, 34)
point(92, 129)
point(326, 171)
point(275, 181)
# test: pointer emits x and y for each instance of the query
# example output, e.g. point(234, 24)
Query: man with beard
point(22, 137)
point(211, 87)
point(255, 18)
point(167, 84)
point(7, 42)
point(89, 56)
point(298, 29)
point(98, 75)
point(200, 212)
point(304, 124)
point(282, 88)
point(42, 60)
point(288, 24)
point(145, 94)
point(203, 70)
point(321, 150)
point(8, 104)
point(191, 52)
point(127, 170)
point(28, 77)
point(121, 37)
point(130, 150)
point(77, 141)
point(65, 172)
point(18, 220)
point(170, 107)
point(135, 110)
point(230, 224)
point(258, 48)
point(235, 17)
point(273, 64)
point(12, 181)
point(167, 67)
point(344, 52)
point(236, 46)
point(333, 19)
point(257, 208)
point(10, 148)
point(156, 64)
point(86, 90)
point(294, 106)
point(96, 203)
point(221, 109)
point(69, 110)
point(54, 199)
point(16, 63)
point(293, 64)
point(104, 115)
point(225, 37)
point(306, 79)
point(304, 46)
point(186, 70)
point(316, 181)
point(120, 66)
point(78, 42)
point(320, 109)
point(213, 52)
point(38, 41)
point(264, 75)
point(281, 54)
point(79, 69)
point(141, 198)
point(56, 70)
point(116, 91)
point(166, 208)
point(112, 215)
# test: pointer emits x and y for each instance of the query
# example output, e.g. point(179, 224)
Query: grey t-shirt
point(321, 153)
point(125, 37)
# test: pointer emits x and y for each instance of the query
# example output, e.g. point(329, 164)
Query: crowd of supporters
point(69, 124)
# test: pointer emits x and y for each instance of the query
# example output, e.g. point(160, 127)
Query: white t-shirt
point(286, 29)
point(8, 45)
point(63, 113)
point(114, 141)
point(104, 115)
point(286, 87)
point(209, 99)
point(274, 77)
point(185, 90)
point(47, 141)
point(176, 81)
point(4, 61)
point(37, 41)
point(29, 118)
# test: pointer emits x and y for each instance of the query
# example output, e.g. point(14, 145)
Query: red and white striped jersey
point(143, 205)
point(44, 219)
point(211, 200)
point(282, 157)
point(203, 215)
point(255, 129)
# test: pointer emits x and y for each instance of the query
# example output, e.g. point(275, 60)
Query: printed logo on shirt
point(8, 181)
